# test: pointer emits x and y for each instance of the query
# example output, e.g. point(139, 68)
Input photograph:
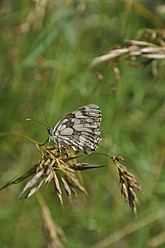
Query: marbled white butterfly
point(79, 129)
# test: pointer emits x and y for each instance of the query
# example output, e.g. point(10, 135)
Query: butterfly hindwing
point(79, 129)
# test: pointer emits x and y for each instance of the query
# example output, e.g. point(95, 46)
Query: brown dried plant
point(149, 46)
point(56, 163)
point(55, 235)
point(128, 183)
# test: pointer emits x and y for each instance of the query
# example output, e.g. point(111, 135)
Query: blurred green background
point(46, 49)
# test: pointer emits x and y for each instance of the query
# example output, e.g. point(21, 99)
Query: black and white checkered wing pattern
point(80, 129)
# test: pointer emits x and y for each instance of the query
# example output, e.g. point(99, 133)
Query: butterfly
point(79, 129)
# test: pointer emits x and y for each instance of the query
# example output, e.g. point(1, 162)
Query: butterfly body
point(79, 130)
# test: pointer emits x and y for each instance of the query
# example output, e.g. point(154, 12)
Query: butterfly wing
point(80, 129)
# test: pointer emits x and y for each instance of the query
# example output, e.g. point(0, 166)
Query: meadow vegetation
point(51, 62)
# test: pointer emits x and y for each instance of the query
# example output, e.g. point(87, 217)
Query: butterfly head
point(50, 131)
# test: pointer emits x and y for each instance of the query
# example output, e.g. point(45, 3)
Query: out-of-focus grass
point(46, 49)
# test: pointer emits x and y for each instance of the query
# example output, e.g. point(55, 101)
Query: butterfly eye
point(50, 131)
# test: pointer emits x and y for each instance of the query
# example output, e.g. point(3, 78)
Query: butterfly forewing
point(79, 129)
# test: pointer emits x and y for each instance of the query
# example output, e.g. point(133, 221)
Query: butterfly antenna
point(45, 119)
point(29, 119)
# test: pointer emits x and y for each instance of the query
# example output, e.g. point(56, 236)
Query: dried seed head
point(128, 184)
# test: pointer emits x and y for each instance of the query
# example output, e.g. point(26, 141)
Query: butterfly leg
point(45, 142)
point(60, 150)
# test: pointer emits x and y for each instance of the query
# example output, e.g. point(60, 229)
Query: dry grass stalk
point(56, 163)
point(128, 184)
point(55, 235)
point(149, 46)
point(130, 228)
